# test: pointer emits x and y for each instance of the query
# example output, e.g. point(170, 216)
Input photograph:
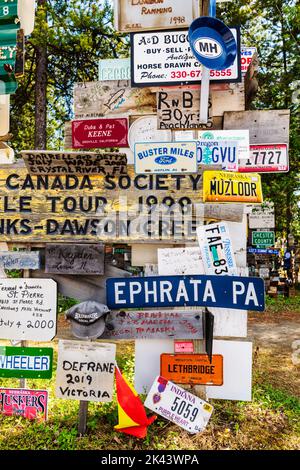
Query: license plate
point(178, 406)
point(266, 158)
point(192, 368)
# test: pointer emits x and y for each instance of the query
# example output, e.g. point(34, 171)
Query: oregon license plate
point(266, 158)
point(178, 406)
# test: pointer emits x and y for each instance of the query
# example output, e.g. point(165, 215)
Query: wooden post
point(24, 344)
point(82, 417)
point(199, 348)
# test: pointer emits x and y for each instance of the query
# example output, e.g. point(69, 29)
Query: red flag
point(132, 415)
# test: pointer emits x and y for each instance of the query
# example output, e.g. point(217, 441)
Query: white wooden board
point(178, 261)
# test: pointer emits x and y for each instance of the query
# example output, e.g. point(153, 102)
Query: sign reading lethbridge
point(85, 371)
point(153, 324)
point(221, 186)
point(216, 249)
point(192, 369)
point(99, 133)
point(245, 293)
point(178, 406)
point(140, 15)
point(20, 260)
point(28, 309)
point(30, 404)
point(167, 157)
point(74, 163)
point(165, 58)
point(27, 363)
point(74, 259)
point(266, 158)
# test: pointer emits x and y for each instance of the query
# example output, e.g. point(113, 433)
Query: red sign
point(266, 158)
point(99, 133)
point(31, 404)
point(183, 347)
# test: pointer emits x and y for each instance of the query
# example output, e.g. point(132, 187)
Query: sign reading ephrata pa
point(222, 186)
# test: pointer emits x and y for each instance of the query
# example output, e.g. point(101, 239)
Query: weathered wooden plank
point(48, 162)
point(251, 82)
point(265, 126)
point(112, 98)
point(74, 259)
point(20, 260)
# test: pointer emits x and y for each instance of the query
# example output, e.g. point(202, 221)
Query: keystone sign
point(244, 293)
point(165, 58)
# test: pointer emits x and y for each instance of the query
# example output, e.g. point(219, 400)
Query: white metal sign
point(242, 137)
point(247, 54)
point(262, 216)
point(266, 158)
point(28, 309)
point(167, 157)
point(165, 58)
point(178, 406)
point(178, 261)
point(114, 69)
point(222, 153)
point(144, 129)
point(85, 371)
point(216, 249)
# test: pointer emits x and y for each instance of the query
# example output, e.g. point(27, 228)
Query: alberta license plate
point(266, 158)
point(178, 406)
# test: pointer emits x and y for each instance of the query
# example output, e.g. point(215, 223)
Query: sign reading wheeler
point(244, 293)
point(29, 363)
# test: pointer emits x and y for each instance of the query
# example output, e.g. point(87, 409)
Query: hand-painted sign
point(246, 57)
point(144, 129)
point(266, 158)
point(221, 186)
point(184, 347)
point(74, 259)
point(137, 15)
point(89, 208)
point(28, 309)
point(261, 251)
point(167, 157)
point(262, 216)
point(178, 406)
point(241, 137)
point(99, 133)
point(30, 404)
point(165, 58)
point(221, 153)
point(216, 249)
point(98, 99)
point(20, 260)
point(191, 369)
point(182, 261)
point(85, 371)
point(114, 69)
point(265, 126)
point(245, 293)
point(153, 324)
point(26, 363)
point(179, 109)
point(49, 162)
point(263, 239)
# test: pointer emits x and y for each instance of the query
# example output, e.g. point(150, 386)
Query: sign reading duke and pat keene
point(100, 133)
point(83, 207)
point(244, 293)
point(165, 58)
point(221, 186)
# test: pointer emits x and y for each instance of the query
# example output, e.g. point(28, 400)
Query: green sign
point(26, 363)
point(8, 11)
point(263, 239)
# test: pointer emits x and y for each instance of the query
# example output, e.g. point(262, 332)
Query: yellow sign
point(225, 186)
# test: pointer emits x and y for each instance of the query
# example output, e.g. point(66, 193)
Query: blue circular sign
point(212, 43)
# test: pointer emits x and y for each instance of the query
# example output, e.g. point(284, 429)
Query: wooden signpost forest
point(167, 192)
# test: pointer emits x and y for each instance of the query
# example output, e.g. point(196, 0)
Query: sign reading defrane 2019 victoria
point(83, 207)
point(165, 58)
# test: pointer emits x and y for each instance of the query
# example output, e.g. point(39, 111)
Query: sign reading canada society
point(85, 371)
point(245, 293)
point(29, 404)
point(28, 309)
point(216, 249)
point(266, 158)
point(178, 406)
point(99, 133)
point(192, 368)
point(221, 186)
point(165, 58)
point(26, 363)
point(167, 157)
